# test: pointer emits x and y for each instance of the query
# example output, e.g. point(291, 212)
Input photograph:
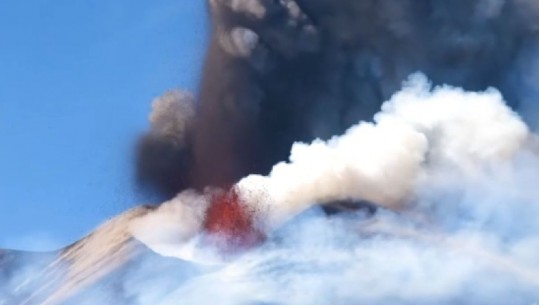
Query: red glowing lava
point(230, 224)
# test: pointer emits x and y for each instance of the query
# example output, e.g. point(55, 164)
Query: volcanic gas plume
point(311, 102)
point(278, 72)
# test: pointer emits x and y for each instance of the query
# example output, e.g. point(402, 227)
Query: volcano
point(97, 266)
point(317, 166)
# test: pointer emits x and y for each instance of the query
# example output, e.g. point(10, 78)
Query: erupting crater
point(230, 223)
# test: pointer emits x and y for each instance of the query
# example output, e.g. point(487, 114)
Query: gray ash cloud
point(279, 71)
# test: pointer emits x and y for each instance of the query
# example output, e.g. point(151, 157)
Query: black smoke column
point(283, 71)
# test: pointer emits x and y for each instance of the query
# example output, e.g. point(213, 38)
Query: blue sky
point(76, 82)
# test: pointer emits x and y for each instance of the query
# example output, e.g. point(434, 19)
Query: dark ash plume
point(163, 154)
point(283, 71)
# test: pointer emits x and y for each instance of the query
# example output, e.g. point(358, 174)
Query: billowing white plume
point(418, 134)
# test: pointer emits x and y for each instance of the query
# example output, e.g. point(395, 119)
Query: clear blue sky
point(76, 82)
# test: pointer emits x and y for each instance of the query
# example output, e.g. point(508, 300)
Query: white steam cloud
point(175, 222)
point(418, 136)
